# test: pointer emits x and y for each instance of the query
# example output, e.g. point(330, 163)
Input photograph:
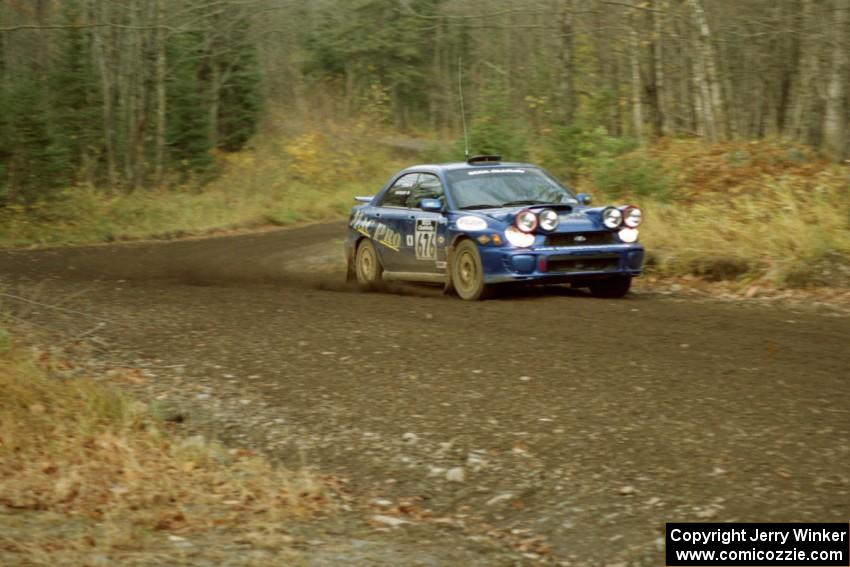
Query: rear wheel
point(611, 287)
point(367, 267)
point(467, 273)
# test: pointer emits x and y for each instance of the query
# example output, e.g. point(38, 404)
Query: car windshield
point(477, 188)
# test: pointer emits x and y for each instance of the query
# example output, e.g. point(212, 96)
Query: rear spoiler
point(363, 199)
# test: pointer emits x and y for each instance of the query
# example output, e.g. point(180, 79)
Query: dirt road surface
point(546, 418)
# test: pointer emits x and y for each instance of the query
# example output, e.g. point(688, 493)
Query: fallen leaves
point(170, 520)
point(522, 540)
point(410, 512)
point(391, 521)
point(456, 474)
point(499, 498)
point(37, 409)
point(74, 447)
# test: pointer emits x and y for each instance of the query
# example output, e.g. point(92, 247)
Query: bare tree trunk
point(131, 87)
point(804, 93)
point(106, 87)
point(4, 64)
point(213, 46)
point(676, 79)
point(835, 115)
point(731, 112)
point(701, 121)
point(159, 79)
point(634, 63)
point(658, 92)
point(608, 73)
point(146, 19)
point(215, 101)
point(567, 63)
point(703, 112)
point(710, 83)
point(784, 72)
point(433, 102)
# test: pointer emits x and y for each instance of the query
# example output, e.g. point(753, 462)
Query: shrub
point(632, 175)
point(570, 152)
point(494, 128)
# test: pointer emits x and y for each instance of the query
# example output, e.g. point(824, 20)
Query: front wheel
point(367, 267)
point(467, 274)
point(611, 288)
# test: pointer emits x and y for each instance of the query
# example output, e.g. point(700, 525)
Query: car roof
point(444, 167)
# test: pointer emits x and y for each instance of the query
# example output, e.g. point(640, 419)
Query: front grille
point(572, 264)
point(580, 239)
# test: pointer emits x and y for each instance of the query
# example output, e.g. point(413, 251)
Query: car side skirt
point(415, 277)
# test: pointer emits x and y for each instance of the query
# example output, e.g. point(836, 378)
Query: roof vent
point(475, 160)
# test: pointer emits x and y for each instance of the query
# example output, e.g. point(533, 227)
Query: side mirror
point(431, 205)
point(584, 198)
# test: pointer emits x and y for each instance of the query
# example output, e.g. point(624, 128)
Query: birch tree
point(709, 82)
point(835, 115)
point(637, 87)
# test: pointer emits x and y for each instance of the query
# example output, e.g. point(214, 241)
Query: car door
point(424, 231)
point(390, 216)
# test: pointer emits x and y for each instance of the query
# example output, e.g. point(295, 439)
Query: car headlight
point(526, 221)
point(548, 219)
point(632, 217)
point(611, 217)
point(628, 235)
point(518, 238)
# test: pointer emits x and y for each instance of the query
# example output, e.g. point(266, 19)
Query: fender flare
point(350, 253)
point(449, 287)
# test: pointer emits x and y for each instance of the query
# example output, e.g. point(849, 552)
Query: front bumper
point(560, 264)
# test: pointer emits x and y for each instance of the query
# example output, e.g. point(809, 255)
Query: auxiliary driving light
point(612, 218)
point(526, 221)
point(632, 217)
point(518, 238)
point(548, 219)
point(628, 235)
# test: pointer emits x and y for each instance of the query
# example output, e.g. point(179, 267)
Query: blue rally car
point(472, 226)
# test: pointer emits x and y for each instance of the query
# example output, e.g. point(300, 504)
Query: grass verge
point(764, 212)
point(88, 473)
point(781, 238)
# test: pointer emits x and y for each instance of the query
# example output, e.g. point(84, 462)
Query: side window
point(429, 187)
point(397, 195)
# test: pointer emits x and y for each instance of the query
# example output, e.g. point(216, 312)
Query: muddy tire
point(467, 273)
point(611, 288)
point(367, 266)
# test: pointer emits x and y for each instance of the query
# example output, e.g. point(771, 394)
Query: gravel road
point(546, 425)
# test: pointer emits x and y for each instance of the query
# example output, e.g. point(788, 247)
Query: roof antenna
point(462, 110)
